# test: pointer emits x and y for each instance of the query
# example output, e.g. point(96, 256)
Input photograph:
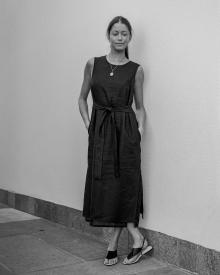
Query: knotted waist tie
point(99, 138)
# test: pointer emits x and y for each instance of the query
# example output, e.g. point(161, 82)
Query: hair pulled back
point(123, 20)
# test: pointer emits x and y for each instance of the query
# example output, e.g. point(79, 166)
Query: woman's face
point(119, 36)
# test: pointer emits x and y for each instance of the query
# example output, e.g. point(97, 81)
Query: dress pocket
point(92, 121)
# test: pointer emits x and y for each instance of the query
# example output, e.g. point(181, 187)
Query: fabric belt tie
point(108, 113)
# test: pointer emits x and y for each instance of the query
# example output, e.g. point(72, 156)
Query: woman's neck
point(117, 57)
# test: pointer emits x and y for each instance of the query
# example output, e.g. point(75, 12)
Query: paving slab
point(169, 270)
point(25, 227)
point(12, 215)
point(4, 270)
point(97, 268)
point(82, 269)
point(77, 243)
point(58, 234)
point(88, 250)
point(31, 245)
point(25, 253)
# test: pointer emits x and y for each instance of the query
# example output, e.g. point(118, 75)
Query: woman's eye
point(124, 34)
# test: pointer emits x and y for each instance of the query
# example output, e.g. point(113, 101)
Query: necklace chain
point(112, 69)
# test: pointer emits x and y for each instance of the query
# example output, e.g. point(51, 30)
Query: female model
point(113, 195)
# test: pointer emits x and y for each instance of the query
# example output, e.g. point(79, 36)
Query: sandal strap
point(135, 250)
point(111, 254)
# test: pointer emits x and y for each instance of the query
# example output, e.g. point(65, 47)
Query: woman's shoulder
point(136, 63)
point(139, 73)
point(137, 67)
point(90, 64)
point(91, 61)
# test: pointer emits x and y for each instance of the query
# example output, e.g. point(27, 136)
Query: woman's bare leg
point(113, 244)
point(138, 241)
point(136, 234)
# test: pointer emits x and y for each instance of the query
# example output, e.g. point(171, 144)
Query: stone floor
point(31, 245)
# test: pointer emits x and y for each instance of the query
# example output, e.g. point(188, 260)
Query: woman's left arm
point(138, 98)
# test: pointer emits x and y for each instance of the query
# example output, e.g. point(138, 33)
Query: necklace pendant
point(111, 74)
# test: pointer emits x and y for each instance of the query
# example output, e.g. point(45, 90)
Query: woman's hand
point(87, 124)
point(141, 130)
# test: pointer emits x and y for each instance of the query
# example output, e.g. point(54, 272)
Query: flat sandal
point(111, 255)
point(136, 253)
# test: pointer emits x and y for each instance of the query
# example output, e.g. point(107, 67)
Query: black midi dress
point(113, 193)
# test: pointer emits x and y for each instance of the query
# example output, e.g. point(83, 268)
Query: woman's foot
point(111, 257)
point(137, 251)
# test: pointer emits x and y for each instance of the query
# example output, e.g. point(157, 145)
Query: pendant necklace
point(112, 70)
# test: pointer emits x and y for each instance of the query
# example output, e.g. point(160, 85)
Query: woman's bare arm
point(138, 97)
point(86, 85)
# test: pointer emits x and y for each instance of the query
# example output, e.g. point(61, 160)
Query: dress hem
point(97, 223)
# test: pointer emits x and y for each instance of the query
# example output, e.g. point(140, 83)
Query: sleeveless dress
point(113, 193)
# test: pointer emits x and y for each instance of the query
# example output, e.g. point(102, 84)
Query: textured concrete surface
point(33, 245)
point(166, 248)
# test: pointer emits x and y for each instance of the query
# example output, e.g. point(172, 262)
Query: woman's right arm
point(82, 100)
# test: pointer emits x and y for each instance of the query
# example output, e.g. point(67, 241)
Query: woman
point(113, 195)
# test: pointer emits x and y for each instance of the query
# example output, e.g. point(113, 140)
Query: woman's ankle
point(138, 240)
point(113, 245)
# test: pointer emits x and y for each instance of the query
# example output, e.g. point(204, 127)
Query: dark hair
point(122, 20)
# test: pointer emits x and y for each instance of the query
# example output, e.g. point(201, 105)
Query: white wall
point(43, 141)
